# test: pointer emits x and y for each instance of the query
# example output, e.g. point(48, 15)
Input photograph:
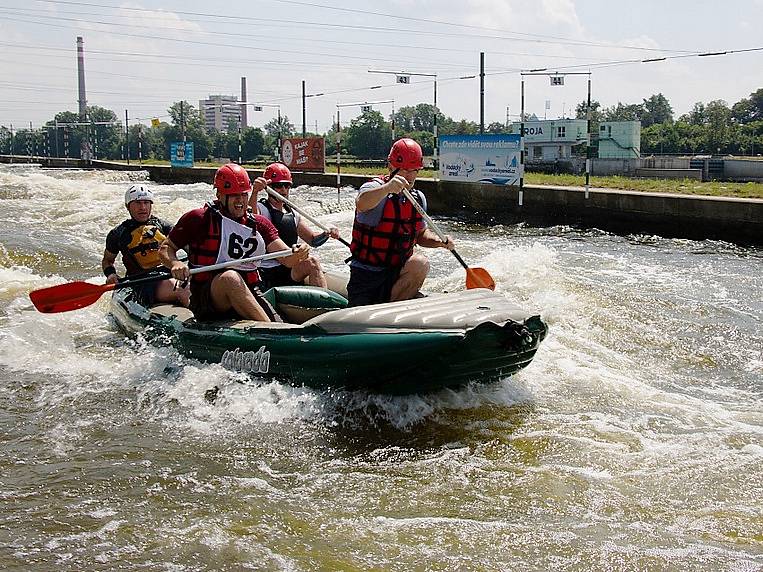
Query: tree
point(621, 112)
point(275, 130)
point(417, 118)
point(254, 143)
point(718, 134)
point(749, 109)
point(496, 127)
point(368, 136)
point(656, 109)
point(596, 113)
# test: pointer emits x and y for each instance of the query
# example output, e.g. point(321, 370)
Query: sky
point(142, 55)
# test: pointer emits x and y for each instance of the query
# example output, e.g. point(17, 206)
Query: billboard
point(304, 154)
point(488, 158)
point(181, 154)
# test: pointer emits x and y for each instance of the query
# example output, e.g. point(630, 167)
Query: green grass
point(681, 186)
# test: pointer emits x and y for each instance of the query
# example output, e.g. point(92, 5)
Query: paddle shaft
point(432, 225)
point(296, 209)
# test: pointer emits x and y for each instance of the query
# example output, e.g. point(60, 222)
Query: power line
point(376, 28)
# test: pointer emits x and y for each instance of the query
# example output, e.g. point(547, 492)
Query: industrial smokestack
point(243, 107)
point(81, 77)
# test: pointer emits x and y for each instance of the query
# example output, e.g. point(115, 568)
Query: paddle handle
point(432, 225)
point(295, 208)
point(229, 263)
point(200, 269)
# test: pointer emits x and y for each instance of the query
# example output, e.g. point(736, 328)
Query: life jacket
point(207, 252)
point(143, 245)
point(390, 243)
point(284, 221)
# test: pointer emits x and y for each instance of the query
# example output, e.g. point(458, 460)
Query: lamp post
point(556, 79)
point(363, 105)
point(404, 78)
point(259, 107)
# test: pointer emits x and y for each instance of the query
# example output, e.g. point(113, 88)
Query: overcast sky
point(143, 55)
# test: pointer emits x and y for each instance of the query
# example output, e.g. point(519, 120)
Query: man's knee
point(418, 265)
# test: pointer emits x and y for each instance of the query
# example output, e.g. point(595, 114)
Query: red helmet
point(277, 173)
point(406, 154)
point(232, 179)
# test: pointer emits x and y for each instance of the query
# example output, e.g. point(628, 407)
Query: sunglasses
point(281, 185)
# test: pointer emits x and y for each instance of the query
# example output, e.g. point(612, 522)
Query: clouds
point(145, 56)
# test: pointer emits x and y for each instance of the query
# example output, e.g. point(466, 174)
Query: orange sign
point(304, 154)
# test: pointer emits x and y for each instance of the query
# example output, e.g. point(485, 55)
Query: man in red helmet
point(218, 232)
point(385, 230)
point(290, 227)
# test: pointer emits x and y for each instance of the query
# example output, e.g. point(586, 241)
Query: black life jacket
point(285, 222)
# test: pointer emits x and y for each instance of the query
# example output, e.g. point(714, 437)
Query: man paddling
point(291, 227)
point(138, 239)
point(385, 230)
point(223, 231)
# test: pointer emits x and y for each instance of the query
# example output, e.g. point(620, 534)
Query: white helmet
point(138, 193)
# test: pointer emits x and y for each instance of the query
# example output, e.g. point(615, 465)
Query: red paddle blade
point(479, 278)
point(69, 296)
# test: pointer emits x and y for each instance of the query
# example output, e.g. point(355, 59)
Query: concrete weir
point(671, 215)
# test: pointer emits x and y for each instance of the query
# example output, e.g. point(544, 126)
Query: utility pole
point(127, 139)
point(482, 92)
point(304, 116)
point(182, 119)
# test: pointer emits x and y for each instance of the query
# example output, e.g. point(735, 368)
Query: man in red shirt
point(219, 232)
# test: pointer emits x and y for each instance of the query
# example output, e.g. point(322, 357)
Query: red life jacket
point(390, 243)
point(204, 253)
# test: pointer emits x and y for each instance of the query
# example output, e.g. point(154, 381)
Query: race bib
point(237, 242)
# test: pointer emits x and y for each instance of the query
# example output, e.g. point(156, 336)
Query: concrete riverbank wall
point(618, 211)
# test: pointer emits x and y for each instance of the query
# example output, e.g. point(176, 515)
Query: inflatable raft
point(414, 346)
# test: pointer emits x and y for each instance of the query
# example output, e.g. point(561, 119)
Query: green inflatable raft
point(415, 346)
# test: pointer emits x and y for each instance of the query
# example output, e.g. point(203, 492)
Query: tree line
point(709, 128)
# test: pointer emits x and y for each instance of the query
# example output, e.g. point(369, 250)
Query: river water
point(634, 441)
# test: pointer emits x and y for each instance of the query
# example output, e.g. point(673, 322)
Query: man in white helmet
point(138, 239)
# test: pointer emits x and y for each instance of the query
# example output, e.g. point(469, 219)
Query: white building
point(218, 111)
point(552, 140)
point(620, 139)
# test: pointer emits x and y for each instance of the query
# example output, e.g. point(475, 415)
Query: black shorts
point(277, 276)
point(204, 311)
point(368, 287)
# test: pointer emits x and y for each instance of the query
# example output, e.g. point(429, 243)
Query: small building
point(619, 139)
point(552, 140)
point(218, 111)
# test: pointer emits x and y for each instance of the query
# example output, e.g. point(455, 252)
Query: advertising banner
point(181, 154)
point(306, 155)
point(488, 158)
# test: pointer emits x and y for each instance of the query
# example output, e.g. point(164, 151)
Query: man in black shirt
point(137, 239)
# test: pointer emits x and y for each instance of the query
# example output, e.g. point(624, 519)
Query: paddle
point(296, 209)
point(76, 295)
point(475, 277)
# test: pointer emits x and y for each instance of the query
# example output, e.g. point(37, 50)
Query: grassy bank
point(681, 186)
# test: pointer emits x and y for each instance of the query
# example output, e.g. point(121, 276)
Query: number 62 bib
point(238, 242)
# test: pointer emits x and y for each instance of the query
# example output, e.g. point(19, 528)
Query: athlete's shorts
point(368, 287)
point(276, 276)
point(204, 311)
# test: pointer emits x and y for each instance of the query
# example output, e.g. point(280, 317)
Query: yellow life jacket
point(144, 245)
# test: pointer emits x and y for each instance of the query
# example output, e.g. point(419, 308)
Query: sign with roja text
point(488, 158)
point(304, 154)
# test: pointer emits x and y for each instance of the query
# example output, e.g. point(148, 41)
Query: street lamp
point(556, 79)
point(258, 107)
point(405, 78)
point(365, 106)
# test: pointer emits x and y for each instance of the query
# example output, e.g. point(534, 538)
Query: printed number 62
point(239, 248)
